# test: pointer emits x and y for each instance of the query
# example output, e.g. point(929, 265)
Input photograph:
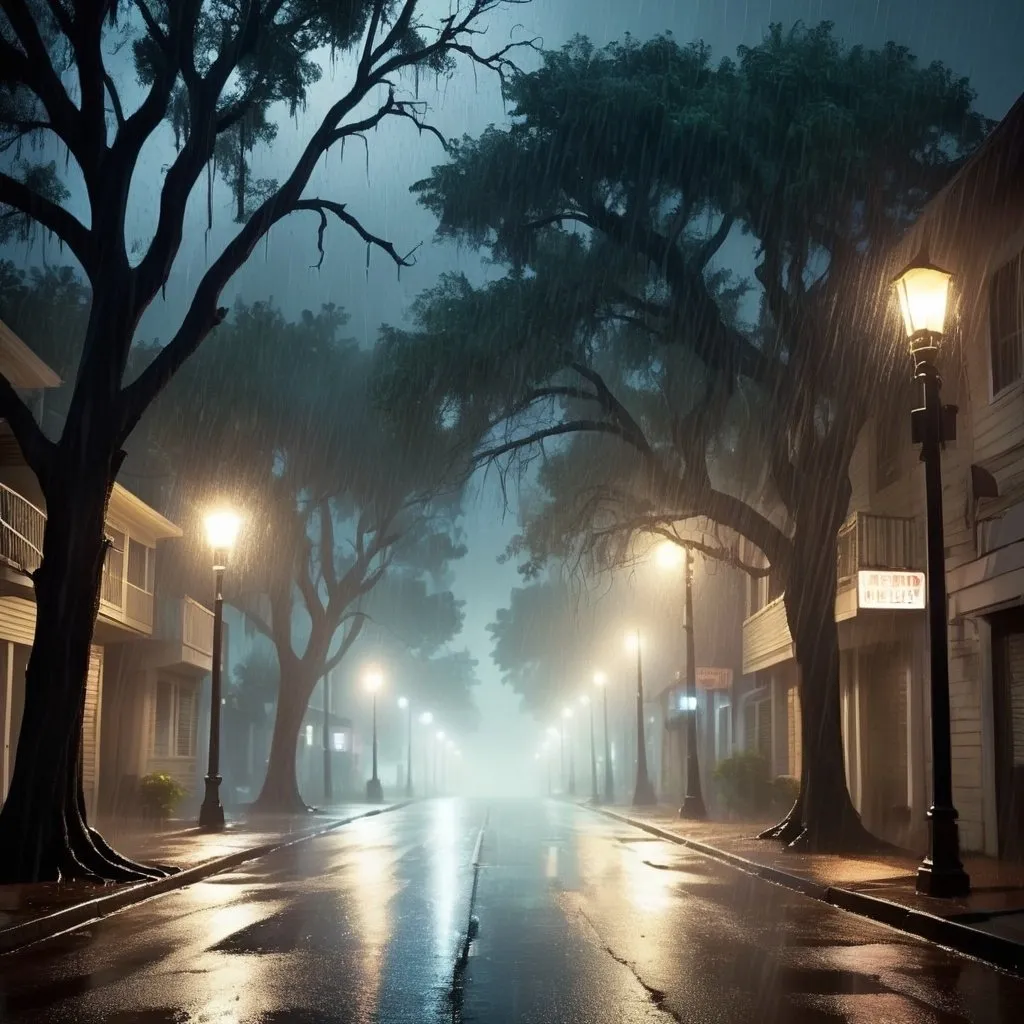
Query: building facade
point(149, 650)
point(975, 230)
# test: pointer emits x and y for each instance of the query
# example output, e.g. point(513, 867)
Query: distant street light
point(643, 794)
point(406, 705)
point(566, 715)
point(221, 532)
point(923, 292)
point(601, 680)
point(673, 556)
point(594, 798)
point(373, 679)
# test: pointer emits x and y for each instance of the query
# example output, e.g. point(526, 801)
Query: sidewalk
point(987, 924)
point(29, 913)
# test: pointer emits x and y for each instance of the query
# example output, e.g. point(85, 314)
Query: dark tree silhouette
point(210, 73)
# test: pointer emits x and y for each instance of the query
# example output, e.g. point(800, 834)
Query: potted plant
point(159, 795)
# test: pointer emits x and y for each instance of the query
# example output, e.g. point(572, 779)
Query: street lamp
point(405, 704)
point(426, 719)
point(923, 292)
point(439, 736)
point(643, 794)
point(594, 798)
point(600, 679)
point(221, 532)
point(373, 678)
point(670, 556)
point(566, 715)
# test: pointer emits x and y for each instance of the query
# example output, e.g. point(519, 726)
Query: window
point(339, 741)
point(1006, 324)
point(174, 720)
point(309, 735)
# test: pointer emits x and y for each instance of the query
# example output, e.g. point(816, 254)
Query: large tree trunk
point(280, 792)
point(823, 817)
point(44, 835)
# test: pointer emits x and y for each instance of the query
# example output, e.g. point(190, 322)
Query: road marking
point(552, 867)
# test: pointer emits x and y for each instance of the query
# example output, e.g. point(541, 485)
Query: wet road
point(581, 920)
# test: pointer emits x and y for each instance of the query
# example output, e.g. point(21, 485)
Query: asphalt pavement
point(582, 919)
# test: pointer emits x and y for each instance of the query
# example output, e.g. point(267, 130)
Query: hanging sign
point(890, 589)
point(714, 678)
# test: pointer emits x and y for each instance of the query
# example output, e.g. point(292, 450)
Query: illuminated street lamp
point(675, 556)
point(566, 715)
point(406, 705)
point(594, 798)
point(923, 293)
point(643, 794)
point(601, 680)
point(426, 719)
point(222, 529)
point(373, 679)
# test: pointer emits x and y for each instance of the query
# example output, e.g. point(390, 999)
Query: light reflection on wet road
point(582, 920)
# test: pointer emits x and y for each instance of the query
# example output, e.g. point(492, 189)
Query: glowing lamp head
point(923, 293)
point(373, 679)
point(426, 718)
point(552, 732)
point(440, 737)
point(669, 556)
point(584, 700)
point(222, 528)
point(600, 679)
point(633, 641)
point(567, 712)
point(403, 702)
point(450, 744)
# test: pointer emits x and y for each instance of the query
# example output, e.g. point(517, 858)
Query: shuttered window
point(174, 719)
point(1006, 324)
point(140, 565)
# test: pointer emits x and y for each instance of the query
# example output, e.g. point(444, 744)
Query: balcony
point(183, 637)
point(865, 543)
point(21, 531)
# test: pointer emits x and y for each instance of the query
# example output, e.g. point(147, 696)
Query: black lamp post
point(328, 781)
point(594, 798)
point(221, 531)
point(923, 290)
point(567, 727)
point(693, 801)
point(643, 794)
point(600, 679)
point(374, 790)
point(406, 704)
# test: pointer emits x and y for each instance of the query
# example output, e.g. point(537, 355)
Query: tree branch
point(35, 446)
point(50, 215)
point(359, 619)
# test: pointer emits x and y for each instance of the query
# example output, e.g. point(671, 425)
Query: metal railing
point(197, 627)
point(21, 530)
point(868, 541)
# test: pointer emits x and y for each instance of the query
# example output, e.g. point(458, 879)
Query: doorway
point(1008, 721)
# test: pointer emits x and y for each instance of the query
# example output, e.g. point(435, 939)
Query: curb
point(21, 935)
point(992, 949)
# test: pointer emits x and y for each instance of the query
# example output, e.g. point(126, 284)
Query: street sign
point(890, 589)
point(714, 678)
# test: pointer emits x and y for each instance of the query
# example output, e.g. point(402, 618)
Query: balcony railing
point(868, 541)
point(186, 621)
point(21, 530)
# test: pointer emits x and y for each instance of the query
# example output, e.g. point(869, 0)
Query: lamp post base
point(211, 813)
point(644, 795)
point(374, 791)
point(693, 808)
point(942, 874)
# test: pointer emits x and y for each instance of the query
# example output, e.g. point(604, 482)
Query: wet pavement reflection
point(581, 920)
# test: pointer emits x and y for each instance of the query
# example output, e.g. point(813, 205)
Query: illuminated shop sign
point(890, 589)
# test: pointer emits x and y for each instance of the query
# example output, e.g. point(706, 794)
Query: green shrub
point(744, 784)
point(160, 794)
point(785, 789)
